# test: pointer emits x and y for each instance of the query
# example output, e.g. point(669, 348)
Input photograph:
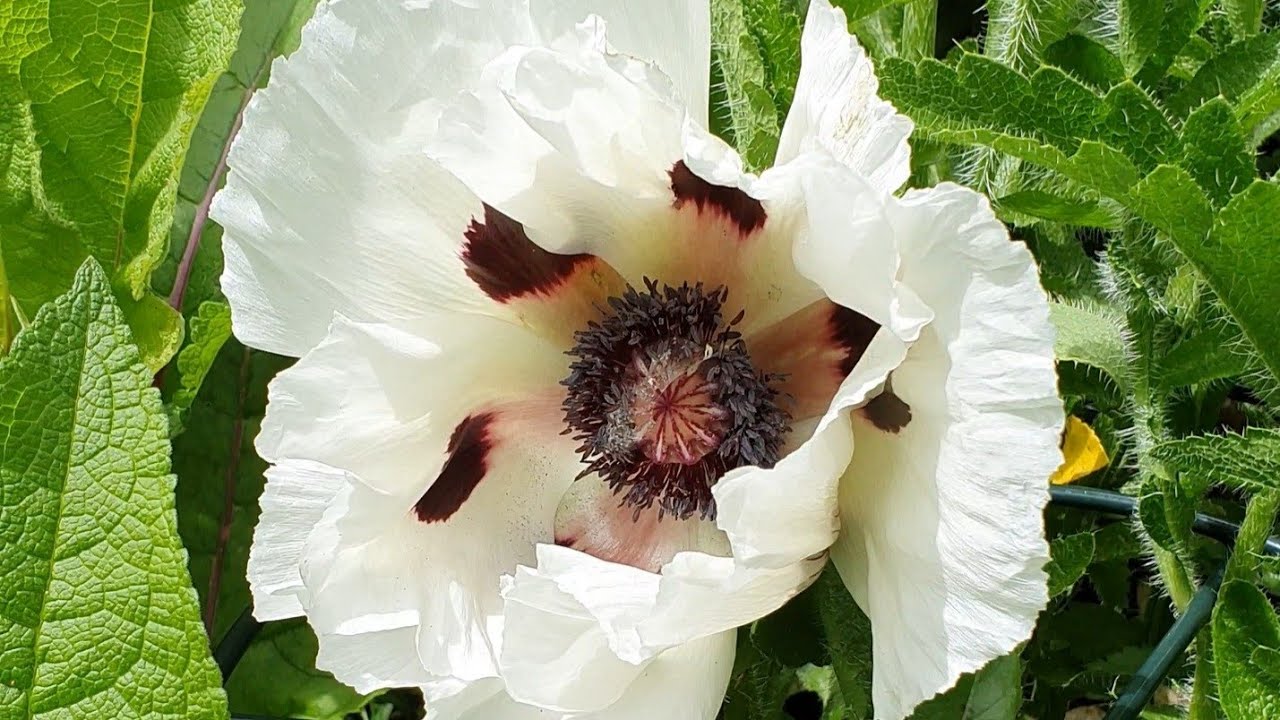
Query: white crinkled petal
point(836, 107)
point(373, 661)
point(293, 502)
point(381, 400)
point(330, 204)
point(674, 34)
point(555, 653)
point(943, 543)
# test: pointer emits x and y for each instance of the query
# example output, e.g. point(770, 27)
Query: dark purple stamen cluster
point(620, 365)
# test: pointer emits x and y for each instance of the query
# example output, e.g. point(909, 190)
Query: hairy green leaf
point(1244, 16)
point(1214, 151)
point(1170, 200)
point(1057, 208)
point(997, 690)
point(97, 105)
point(1239, 262)
point(1250, 460)
point(848, 632)
point(1018, 31)
point(1088, 60)
point(1210, 354)
point(97, 615)
point(1247, 74)
point(1091, 335)
point(1255, 530)
point(752, 112)
point(1245, 626)
point(1138, 25)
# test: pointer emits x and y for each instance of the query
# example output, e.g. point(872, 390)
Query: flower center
point(664, 400)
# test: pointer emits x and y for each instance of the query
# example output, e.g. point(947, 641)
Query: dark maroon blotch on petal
point(468, 451)
point(853, 331)
point(887, 412)
point(506, 264)
point(745, 211)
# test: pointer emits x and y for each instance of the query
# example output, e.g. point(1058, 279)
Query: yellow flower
point(1082, 453)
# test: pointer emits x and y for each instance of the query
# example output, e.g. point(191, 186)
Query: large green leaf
point(1138, 24)
point(97, 615)
point(1246, 640)
point(97, 104)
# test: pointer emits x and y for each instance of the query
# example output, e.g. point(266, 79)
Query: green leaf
point(1018, 31)
point(855, 10)
point(1057, 208)
point(822, 681)
point(1093, 335)
point(1247, 74)
point(997, 690)
point(848, 632)
point(1239, 262)
point(157, 327)
point(1210, 354)
point(215, 462)
point(758, 685)
point(1249, 461)
point(1255, 530)
point(1214, 151)
point(1086, 59)
point(1170, 200)
point(752, 112)
point(100, 101)
point(97, 615)
point(1244, 16)
point(1245, 627)
point(775, 25)
point(1041, 119)
point(210, 329)
point(277, 678)
point(1070, 557)
point(1138, 23)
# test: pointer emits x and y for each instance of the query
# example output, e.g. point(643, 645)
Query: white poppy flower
point(578, 396)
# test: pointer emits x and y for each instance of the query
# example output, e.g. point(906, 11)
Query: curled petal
point(943, 537)
point(836, 108)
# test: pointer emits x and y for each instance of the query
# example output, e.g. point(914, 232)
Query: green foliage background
point(1132, 144)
